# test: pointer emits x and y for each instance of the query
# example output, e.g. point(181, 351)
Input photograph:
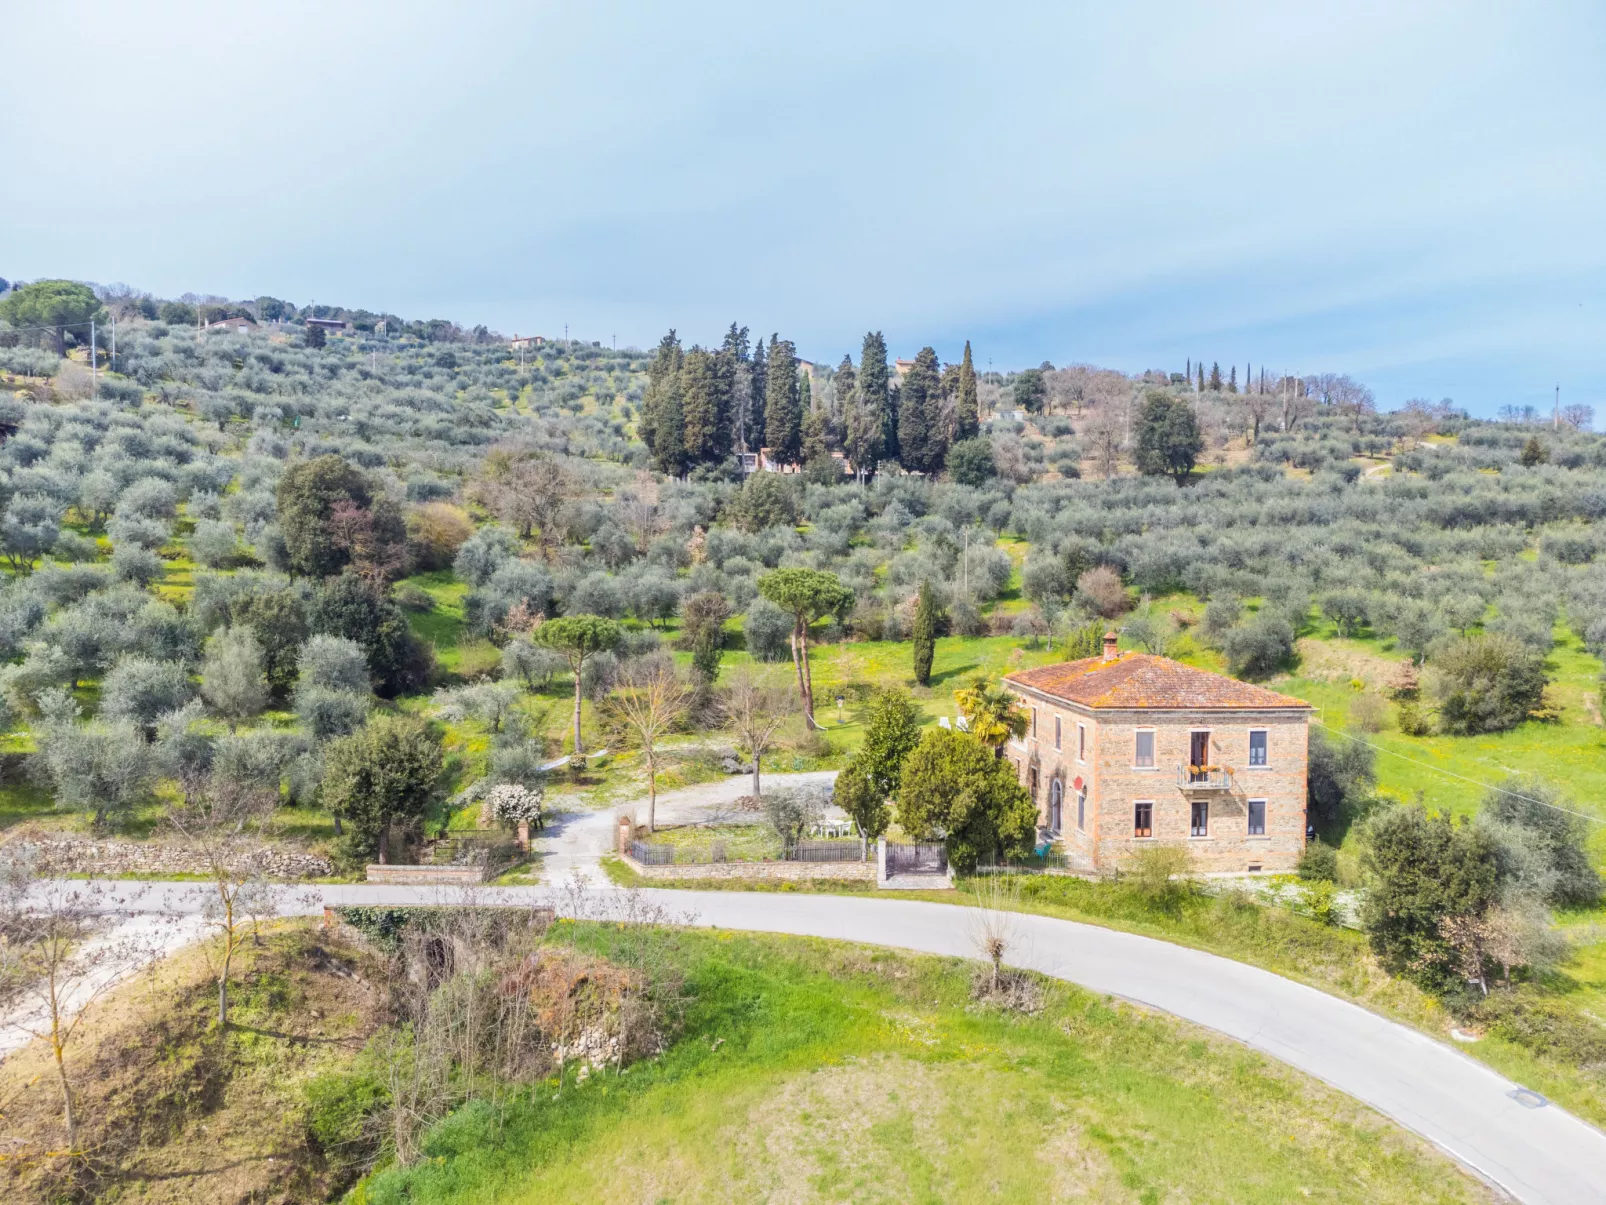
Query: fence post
point(524, 835)
point(881, 861)
point(627, 832)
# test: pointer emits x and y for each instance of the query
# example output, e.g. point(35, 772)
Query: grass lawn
point(815, 1071)
point(739, 842)
point(443, 627)
point(1570, 752)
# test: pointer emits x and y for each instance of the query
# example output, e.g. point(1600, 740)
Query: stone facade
point(1091, 771)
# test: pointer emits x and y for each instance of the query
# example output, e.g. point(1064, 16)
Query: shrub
point(1424, 871)
point(1487, 683)
point(1546, 1027)
point(1319, 863)
point(1318, 899)
point(970, 461)
point(768, 630)
point(214, 543)
point(1100, 589)
point(436, 533)
point(1341, 775)
point(765, 500)
point(1368, 712)
point(1260, 647)
point(953, 787)
point(131, 563)
point(483, 552)
point(1540, 842)
point(1161, 876)
point(510, 803)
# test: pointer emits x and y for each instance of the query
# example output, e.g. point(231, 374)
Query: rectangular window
point(1199, 825)
point(1056, 734)
point(1034, 723)
point(1081, 810)
point(1081, 742)
point(1257, 817)
point(1143, 755)
point(1143, 820)
point(1257, 746)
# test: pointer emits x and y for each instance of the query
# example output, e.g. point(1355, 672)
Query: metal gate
point(917, 859)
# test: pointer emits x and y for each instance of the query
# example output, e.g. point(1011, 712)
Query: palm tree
point(992, 714)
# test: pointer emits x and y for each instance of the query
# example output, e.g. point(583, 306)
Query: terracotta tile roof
point(1141, 680)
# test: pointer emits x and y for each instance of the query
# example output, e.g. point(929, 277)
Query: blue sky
point(1414, 193)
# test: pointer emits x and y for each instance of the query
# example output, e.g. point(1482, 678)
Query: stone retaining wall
point(790, 871)
point(74, 856)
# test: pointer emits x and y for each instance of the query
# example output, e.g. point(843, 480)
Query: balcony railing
point(1204, 778)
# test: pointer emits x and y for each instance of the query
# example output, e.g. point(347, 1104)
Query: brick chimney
point(1109, 646)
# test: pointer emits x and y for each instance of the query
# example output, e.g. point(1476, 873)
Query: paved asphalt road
point(1541, 1155)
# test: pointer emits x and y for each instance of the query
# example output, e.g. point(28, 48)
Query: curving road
point(1538, 1153)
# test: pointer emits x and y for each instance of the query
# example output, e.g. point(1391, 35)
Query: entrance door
point(1056, 801)
point(1198, 755)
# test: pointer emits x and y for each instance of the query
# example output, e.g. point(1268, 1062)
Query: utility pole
point(1555, 417)
point(565, 336)
point(94, 381)
point(114, 340)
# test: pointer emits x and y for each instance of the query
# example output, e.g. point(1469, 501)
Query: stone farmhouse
point(1129, 749)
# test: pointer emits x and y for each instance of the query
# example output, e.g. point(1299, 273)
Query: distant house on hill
point(331, 326)
point(526, 342)
point(239, 324)
point(1128, 750)
point(902, 367)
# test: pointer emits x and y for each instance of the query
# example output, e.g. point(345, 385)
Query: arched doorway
point(1056, 801)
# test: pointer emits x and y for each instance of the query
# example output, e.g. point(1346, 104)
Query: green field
point(813, 1071)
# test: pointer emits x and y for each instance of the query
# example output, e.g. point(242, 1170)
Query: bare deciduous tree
point(58, 964)
point(754, 711)
point(219, 823)
point(650, 697)
point(1105, 433)
point(527, 491)
point(994, 922)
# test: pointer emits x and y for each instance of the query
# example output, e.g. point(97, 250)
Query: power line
point(1488, 786)
point(60, 326)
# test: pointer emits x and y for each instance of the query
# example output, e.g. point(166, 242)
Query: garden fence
point(921, 858)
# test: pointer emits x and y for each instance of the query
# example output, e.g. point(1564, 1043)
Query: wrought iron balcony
point(1204, 778)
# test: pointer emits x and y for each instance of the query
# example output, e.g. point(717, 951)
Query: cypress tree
point(921, 446)
point(1215, 378)
point(1200, 387)
point(699, 405)
point(1232, 381)
point(876, 391)
point(783, 416)
point(846, 381)
point(729, 365)
point(927, 617)
point(861, 424)
point(660, 430)
point(967, 408)
point(760, 383)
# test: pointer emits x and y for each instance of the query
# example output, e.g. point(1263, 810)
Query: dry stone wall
point(157, 858)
